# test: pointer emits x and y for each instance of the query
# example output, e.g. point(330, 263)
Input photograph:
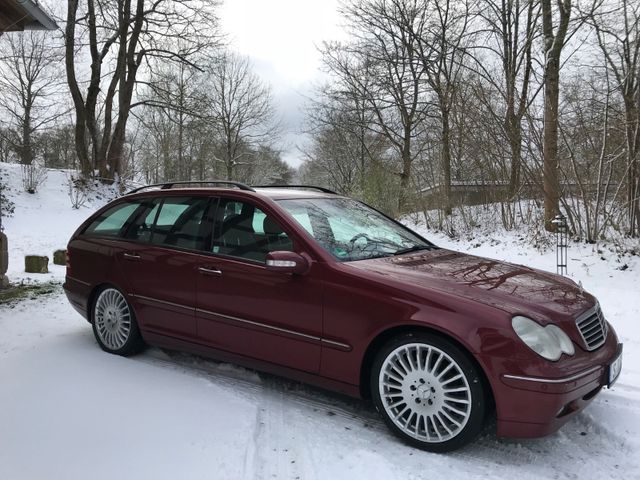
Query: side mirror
point(287, 262)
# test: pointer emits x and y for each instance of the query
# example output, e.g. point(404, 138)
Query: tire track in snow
point(584, 447)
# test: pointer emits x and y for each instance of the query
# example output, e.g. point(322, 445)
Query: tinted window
point(181, 222)
point(243, 230)
point(113, 221)
point(140, 230)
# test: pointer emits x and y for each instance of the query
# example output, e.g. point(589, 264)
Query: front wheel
point(114, 323)
point(428, 392)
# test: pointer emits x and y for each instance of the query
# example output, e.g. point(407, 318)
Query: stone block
point(36, 264)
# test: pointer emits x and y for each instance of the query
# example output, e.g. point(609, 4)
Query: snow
point(43, 222)
point(70, 411)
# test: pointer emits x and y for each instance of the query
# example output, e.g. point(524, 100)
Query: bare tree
point(554, 28)
point(381, 65)
point(345, 142)
point(618, 35)
point(267, 167)
point(31, 93)
point(128, 33)
point(443, 39)
point(512, 28)
point(177, 95)
point(593, 141)
point(242, 106)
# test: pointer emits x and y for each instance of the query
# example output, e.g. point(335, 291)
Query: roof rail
point(168, 185)
point(310, 187)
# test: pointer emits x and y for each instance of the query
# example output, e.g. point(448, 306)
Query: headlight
point(549, 342)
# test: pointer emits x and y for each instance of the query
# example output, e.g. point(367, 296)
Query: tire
point(114, 323)
point(428, 392)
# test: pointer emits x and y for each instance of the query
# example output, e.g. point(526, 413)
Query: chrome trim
point(258, 324)
point(79, 281)
point(554, 380)
point(324, 341)
point(210, 271)
point(334, 344)
point(601, 323)
point(164, 302)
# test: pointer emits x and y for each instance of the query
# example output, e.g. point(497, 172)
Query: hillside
point(44, 221)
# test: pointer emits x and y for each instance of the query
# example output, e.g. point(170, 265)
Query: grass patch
point(15, 293)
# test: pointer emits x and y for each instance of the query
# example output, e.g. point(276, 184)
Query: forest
point(530, 108)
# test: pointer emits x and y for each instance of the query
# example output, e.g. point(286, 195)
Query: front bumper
point(529, 406)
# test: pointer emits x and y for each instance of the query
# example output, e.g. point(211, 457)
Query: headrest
point(271, 227)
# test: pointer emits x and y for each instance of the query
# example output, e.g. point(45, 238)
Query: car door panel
point(162, 283)
point(261, 314)
point(162, 269)
point(249, 310)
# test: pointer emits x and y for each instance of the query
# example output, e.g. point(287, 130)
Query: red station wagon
point(307, 284)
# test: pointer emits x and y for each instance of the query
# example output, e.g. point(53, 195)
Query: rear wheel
point(114, 323)
point(428, 392)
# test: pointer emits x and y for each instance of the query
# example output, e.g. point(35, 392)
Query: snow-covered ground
point(43, 221)
point(70, 411)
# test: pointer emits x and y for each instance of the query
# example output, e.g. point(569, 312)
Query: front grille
point(592, 327)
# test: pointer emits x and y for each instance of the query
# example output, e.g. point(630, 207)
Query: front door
point(244, 308)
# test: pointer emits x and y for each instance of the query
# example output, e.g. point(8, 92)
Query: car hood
point(513, 288)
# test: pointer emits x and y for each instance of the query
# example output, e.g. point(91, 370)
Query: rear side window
point(114, 221)
point(141, 229)
point(181, 222)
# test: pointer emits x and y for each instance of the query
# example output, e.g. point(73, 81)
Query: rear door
point(246, 309)
point(161, 261)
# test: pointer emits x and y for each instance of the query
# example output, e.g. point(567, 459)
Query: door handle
point(131, 256)
point(210, 271)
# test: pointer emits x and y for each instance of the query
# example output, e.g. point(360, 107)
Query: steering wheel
point(357, 237)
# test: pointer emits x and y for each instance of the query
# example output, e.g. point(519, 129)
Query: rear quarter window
point(113, 222)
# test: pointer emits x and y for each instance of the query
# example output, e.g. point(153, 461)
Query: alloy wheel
point(112, 317)
point(425, 392)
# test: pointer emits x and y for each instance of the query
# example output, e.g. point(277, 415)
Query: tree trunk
point(446, 161)
point(78, 101)
point(26, 150)
point(550, 146)
point(553, 44)
point(405, 175)
point(514, 134)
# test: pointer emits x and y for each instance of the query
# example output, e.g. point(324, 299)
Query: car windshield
point(349, 230)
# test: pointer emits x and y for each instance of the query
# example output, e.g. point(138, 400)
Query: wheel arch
point(383, 337)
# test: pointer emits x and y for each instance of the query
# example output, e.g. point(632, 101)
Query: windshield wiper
point(415, 248)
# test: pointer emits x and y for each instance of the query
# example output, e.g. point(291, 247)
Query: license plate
point(615, 368)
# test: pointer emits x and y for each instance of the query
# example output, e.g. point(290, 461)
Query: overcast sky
point(280, 37)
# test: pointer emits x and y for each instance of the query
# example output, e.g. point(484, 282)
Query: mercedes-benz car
point(308, 284)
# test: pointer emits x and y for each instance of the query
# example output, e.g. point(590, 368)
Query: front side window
point(114, 221)
point(350, 230)
point(244, 231)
